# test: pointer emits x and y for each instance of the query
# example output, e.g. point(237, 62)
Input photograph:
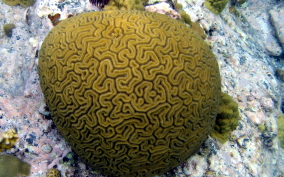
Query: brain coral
point(134, 93)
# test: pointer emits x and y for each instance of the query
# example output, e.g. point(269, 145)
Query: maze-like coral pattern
point(134, 93)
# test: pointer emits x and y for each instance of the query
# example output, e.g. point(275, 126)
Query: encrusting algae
point(11, 166)
point(227, 119)
point(24, 3)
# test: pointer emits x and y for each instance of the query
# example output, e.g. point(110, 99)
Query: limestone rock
point(276, 17)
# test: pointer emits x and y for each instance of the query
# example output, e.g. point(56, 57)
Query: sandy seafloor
point(247, 50)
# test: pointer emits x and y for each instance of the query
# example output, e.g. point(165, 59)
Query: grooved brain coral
point(134, 93)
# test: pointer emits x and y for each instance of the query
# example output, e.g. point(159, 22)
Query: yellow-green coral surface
point(24, 3)
point(10, 166)
point(227, 119)
point(280, 134)
point(216, 6)
point(134, 93)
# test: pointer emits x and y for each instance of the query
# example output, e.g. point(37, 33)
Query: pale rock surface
point(277, 15)
point(257, 14)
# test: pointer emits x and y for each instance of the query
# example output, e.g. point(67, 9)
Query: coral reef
point(280, 135)
point(24, 3)
point(8, 139)
point(8, 29)
point(133, 92)
point(53, 172)
point(10, 166)
point(227, 119)
point(216, 6)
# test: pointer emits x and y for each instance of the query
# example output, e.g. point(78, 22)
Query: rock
point(267, 104)
point(272, 46)
point(260, 22)
point(276, 17)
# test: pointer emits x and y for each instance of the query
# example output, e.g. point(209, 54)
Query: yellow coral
point(135, 93)
point(53, 172)
point(8, 139)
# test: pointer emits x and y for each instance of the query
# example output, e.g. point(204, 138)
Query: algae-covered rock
point(11, 166)
point(52, 172)
point(227, 119)
point(216, 6)
point(280, 135)
point(185, 17)
point(280, 74)
point(24, 3)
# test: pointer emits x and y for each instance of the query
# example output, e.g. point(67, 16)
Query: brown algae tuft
point(8, 29)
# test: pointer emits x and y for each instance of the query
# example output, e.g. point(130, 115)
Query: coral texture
point(227, 119)
point(216, 6)
point(133, 92)
point(10, 166)
point(53, 172)
point(24, 3)
point(8, 139)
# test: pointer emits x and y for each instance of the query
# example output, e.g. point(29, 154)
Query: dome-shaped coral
point(134, 93)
